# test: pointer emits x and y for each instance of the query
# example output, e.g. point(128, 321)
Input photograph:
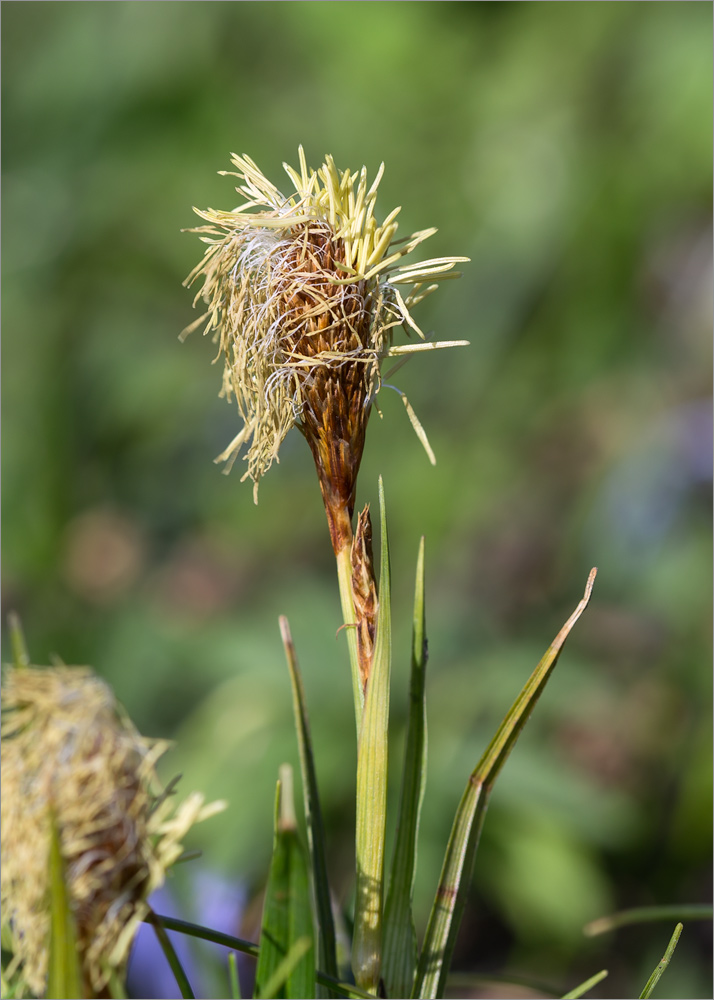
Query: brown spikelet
point(326, 320)
point(303, 296)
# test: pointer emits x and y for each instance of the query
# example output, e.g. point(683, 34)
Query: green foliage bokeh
point(566, 148)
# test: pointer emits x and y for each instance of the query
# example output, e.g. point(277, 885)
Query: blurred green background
point(566, 148)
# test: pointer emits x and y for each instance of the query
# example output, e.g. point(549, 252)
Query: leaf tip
point(285, 633)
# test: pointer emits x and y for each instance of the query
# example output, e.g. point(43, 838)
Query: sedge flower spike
point(303, 294)
point(72, 759)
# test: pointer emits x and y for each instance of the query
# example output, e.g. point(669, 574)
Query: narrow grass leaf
point(20, 656)
point(585, 987)
point(400, 944)
point(203, 933)
point(372, 788)
point(284, 969)
point(313, 814)
point(116, 986)
point(275, 926)
point(64, 973)
point(484, 983)
point(450, 898)
point(287, 912)
point(662, 965)
point(233, 977)
point(173, 960)
point(246, 948)
point(647, 914)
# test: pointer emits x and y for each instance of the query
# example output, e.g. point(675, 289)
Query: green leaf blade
point(245, 947)
point(662, 964)
point(585, 987)
point(173, 960)
point(372, 788)
point(64, 977)
point(648, 914)
point(285, 968)
point(20, 656)
point(450, 898)
point(327, 947)
point(282, 983)
point(400, 943)
point(233, 977)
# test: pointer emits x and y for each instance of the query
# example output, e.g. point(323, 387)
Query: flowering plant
point(85, 825)
point(304, 298)
point(302, 293)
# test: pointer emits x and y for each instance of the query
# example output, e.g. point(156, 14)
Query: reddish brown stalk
point(332, 321)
